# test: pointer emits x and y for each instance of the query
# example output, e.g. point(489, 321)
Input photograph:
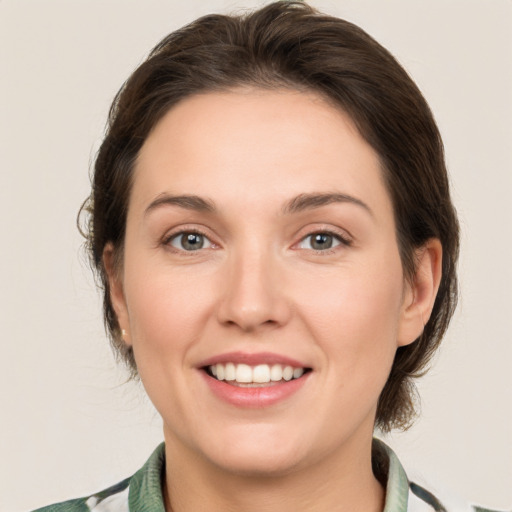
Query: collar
point(391, 474)
point(145, 491)
point(145, 494)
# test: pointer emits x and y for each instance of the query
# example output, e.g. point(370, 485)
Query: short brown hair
point(289, 44)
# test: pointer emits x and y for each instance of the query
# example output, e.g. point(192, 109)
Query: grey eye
point(190, 241)
point(319, 241)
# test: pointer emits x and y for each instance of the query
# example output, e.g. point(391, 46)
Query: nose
point(253, 295)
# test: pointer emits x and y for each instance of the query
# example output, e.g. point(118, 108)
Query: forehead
point(250, 144)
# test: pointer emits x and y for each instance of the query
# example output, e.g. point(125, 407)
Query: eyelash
point(167, 241)
point(342, 241)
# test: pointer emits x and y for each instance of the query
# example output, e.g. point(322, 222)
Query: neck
point(337, 482)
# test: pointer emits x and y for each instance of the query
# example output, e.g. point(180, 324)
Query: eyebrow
point(188, 202)
point(316, 200)
point(297, 204)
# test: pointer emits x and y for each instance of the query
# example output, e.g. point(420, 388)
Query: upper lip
point(252, 359)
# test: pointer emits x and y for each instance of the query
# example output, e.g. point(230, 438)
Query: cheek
point(355, 324)
point(167, 311)
point(354, 316)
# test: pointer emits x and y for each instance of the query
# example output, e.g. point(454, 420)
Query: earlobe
point(116, 289)
point(421, 292)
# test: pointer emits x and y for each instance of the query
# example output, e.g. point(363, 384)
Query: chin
point(258, 452)
point(258, 463)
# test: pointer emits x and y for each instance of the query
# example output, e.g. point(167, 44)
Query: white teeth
point(276, 373)
point(297, 372)
point(220, 372)
point(288, 373)
point(260, 374)
point(230, 372)
point(243, 373)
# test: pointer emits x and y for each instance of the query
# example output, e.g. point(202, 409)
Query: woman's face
point(260, 246)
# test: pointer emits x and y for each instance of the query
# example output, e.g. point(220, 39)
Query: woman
point(272, 224)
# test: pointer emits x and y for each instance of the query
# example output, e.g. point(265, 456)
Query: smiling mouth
point(262, 375)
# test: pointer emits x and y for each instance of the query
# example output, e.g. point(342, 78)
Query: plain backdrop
point(69, 425)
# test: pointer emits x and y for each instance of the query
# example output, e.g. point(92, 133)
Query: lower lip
point(257, 397)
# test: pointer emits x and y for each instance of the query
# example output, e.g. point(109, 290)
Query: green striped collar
point(145, 493)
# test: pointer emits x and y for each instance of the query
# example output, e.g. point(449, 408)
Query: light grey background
point(68, 425)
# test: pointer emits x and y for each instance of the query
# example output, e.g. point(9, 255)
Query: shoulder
point(482, 509)
point(443, 502)
point(405, 495)
point(141, 492)
point(113, 499)
point(421, 497)
point(66, 506)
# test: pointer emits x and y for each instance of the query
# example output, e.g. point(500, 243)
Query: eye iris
point(192, 241)
point(321, 241)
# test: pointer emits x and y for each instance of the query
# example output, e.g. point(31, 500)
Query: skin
point(259, 285)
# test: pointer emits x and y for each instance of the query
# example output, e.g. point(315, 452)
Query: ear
point(420, 293)
point(116, 290)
